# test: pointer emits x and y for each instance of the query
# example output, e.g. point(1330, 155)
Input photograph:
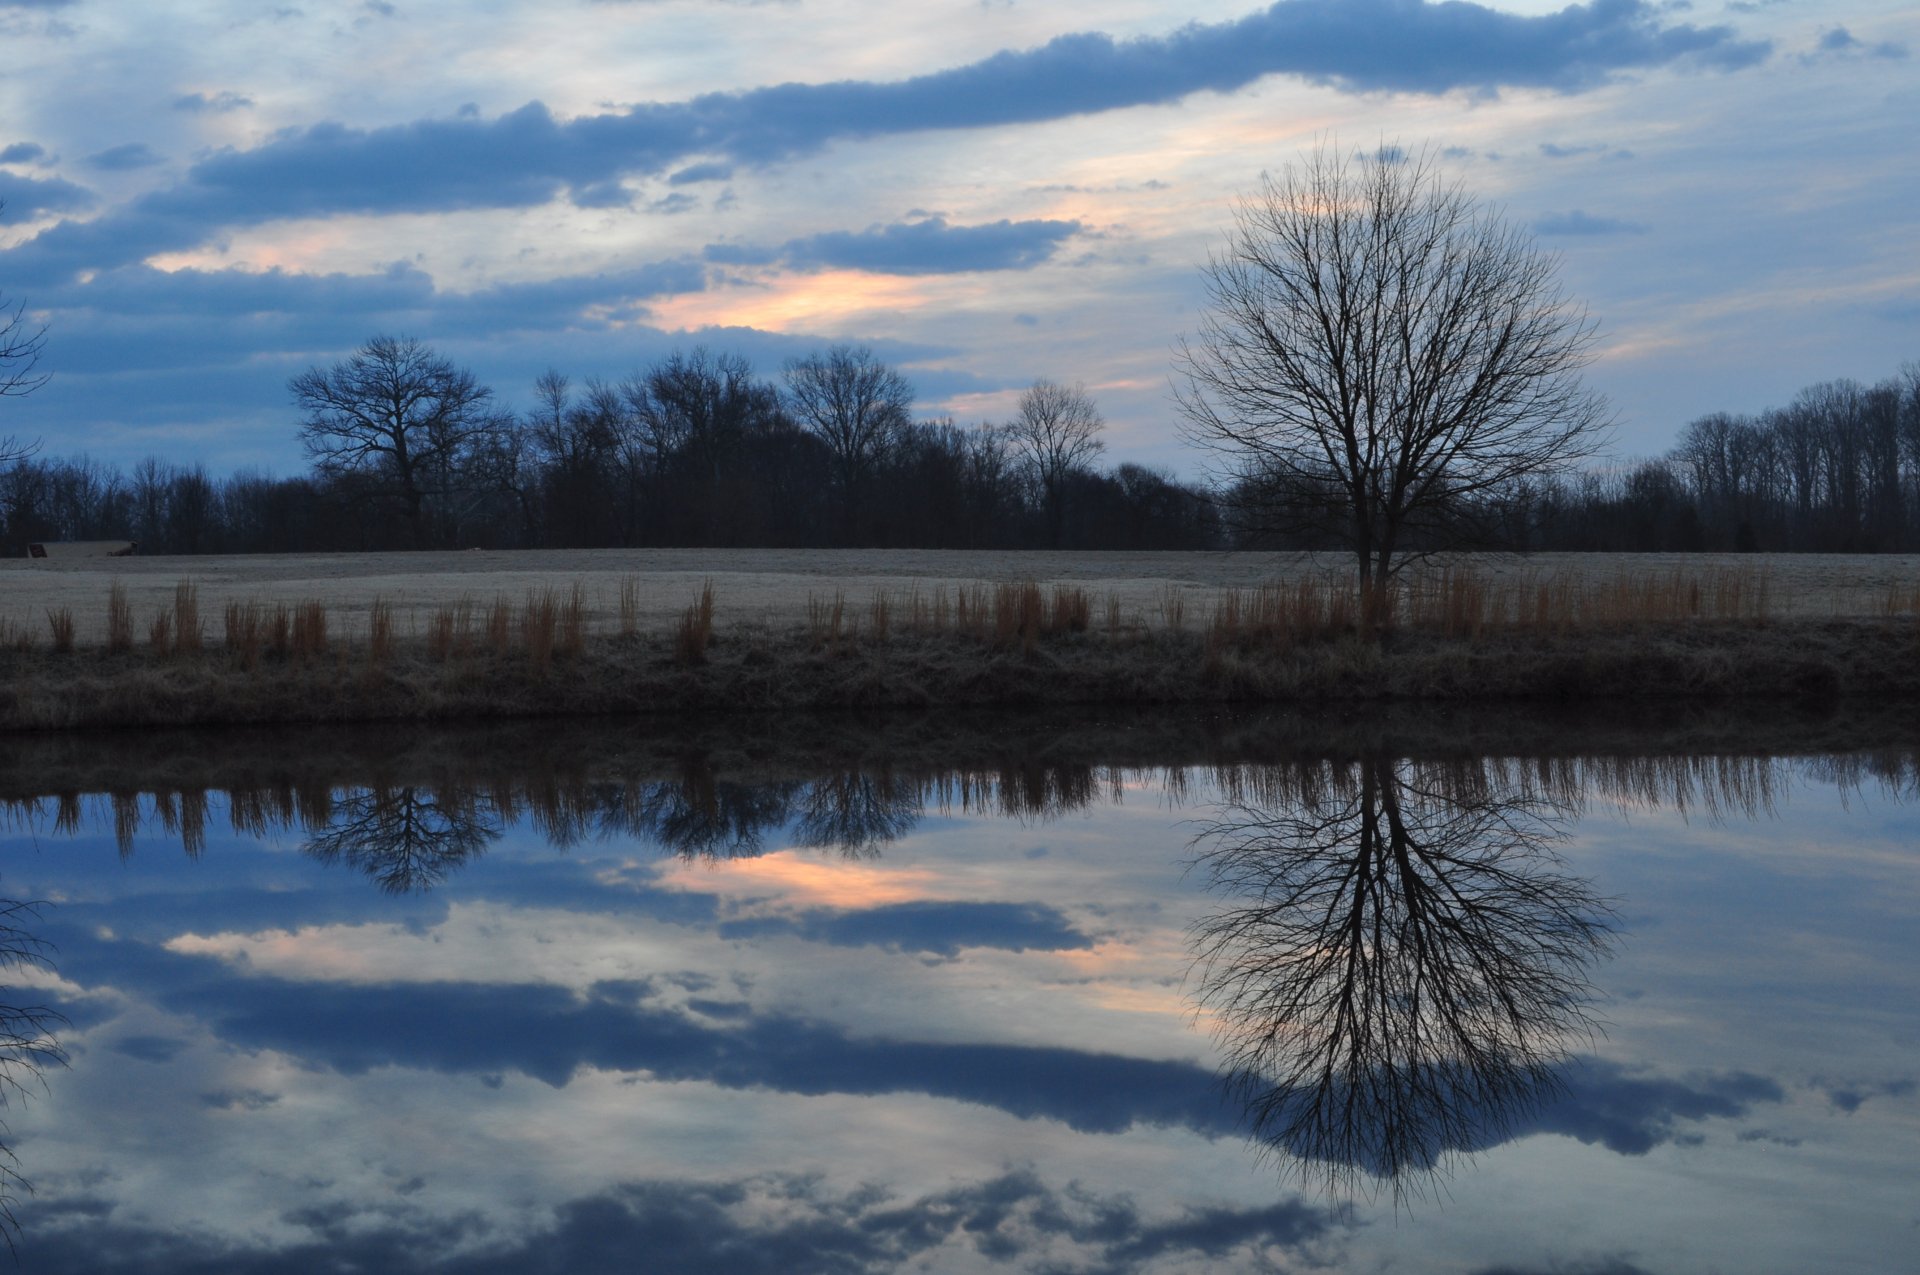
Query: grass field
point(320, 638)
point(772, 587)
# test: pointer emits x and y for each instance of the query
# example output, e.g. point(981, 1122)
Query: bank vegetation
point(1451, 636)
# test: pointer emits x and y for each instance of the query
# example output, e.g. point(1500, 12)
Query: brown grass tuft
point(379, 633)
point(695, 629)
point(119, 619)
point(571, 639)
point(188, 635)
point(879, 616)
point(242, 630)
point(309, 636)
point(629, 606)
point(539, 622)
point(60, 629)
point(160, 633)
point(500, 626)
point(826, 619)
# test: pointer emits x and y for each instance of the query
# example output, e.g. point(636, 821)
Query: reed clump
point(826, 619)
point(379, 633)
point(629, 606)
point(119, 619)
point(308, 641)
point(243, 629)
point(539, 623)
point(695, 629)
point(60, 630)
point(188, 635)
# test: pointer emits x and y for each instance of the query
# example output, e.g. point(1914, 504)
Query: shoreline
point(1814, 662)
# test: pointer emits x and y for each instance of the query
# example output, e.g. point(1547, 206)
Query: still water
point(1172, 1004)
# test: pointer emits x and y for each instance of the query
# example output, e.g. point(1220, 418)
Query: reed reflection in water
point(1402, 966)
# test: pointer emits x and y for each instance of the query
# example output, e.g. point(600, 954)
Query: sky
point(974, 1046)
point(203, 199)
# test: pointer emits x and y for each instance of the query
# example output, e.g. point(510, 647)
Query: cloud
point(22, 152)
point(931, 246)
point(126, 156)
point(1631, 1113)
point(219, 103)
point(1842, 41)
point(701, 173)
point(938, 928)
point(767, 1224)
point(1576, 222)
point(456, 1028)
point(527, 157)
point(28, 196)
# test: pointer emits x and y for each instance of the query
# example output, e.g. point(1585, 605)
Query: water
point(1114, 998)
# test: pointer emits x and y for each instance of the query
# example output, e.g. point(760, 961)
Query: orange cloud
point(795, 302)
point(806, 882)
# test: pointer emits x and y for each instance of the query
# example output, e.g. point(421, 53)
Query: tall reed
point(119, 619)
point(379, 633)
point(695, 629)
point(187, 632)
point(60, 629)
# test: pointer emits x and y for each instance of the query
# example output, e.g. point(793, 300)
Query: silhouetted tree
point(396, 415)
point(857, 406)
point(1375, 334)
point(1055, 433)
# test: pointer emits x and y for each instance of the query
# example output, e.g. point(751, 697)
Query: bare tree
point(20, 345)
point(1055, 433)
point(1380, 354)
point(395, 413)
point(857, 406)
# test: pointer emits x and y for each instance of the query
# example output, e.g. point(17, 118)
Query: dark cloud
point(153, 1049)
point(678, 201)
point(22, 153)
point(1577, 222)
point(931, 246)
point(527, 157)
point(1597, 1266)
point(123, 157)
point(940, 929)
point(457, 1028)
point(29, 196)
point(219, 103)
point(771, 1224)
point(1838, 38)
point(1630, 1112)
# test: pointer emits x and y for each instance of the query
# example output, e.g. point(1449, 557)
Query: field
point(418, 637)
point(772, 587)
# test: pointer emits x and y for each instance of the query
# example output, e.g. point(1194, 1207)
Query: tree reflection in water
point(1406, 965)
point(27, 1044)
point(405, 838)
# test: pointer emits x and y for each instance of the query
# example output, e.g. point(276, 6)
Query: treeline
point(1837, 470)
point(696, 450)
point(699, 451)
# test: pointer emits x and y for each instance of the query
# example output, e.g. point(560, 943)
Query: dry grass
point(379, 633)
point(308, 641)
point(1448, 633)
point(119, 619)
point(695, 630)
point(188, 635)
point(60, 630)
point(630, 606)
point(244, 630)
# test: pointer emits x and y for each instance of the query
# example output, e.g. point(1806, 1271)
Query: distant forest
point(699, 451)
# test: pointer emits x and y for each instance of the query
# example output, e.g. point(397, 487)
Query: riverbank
point(759, 669)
